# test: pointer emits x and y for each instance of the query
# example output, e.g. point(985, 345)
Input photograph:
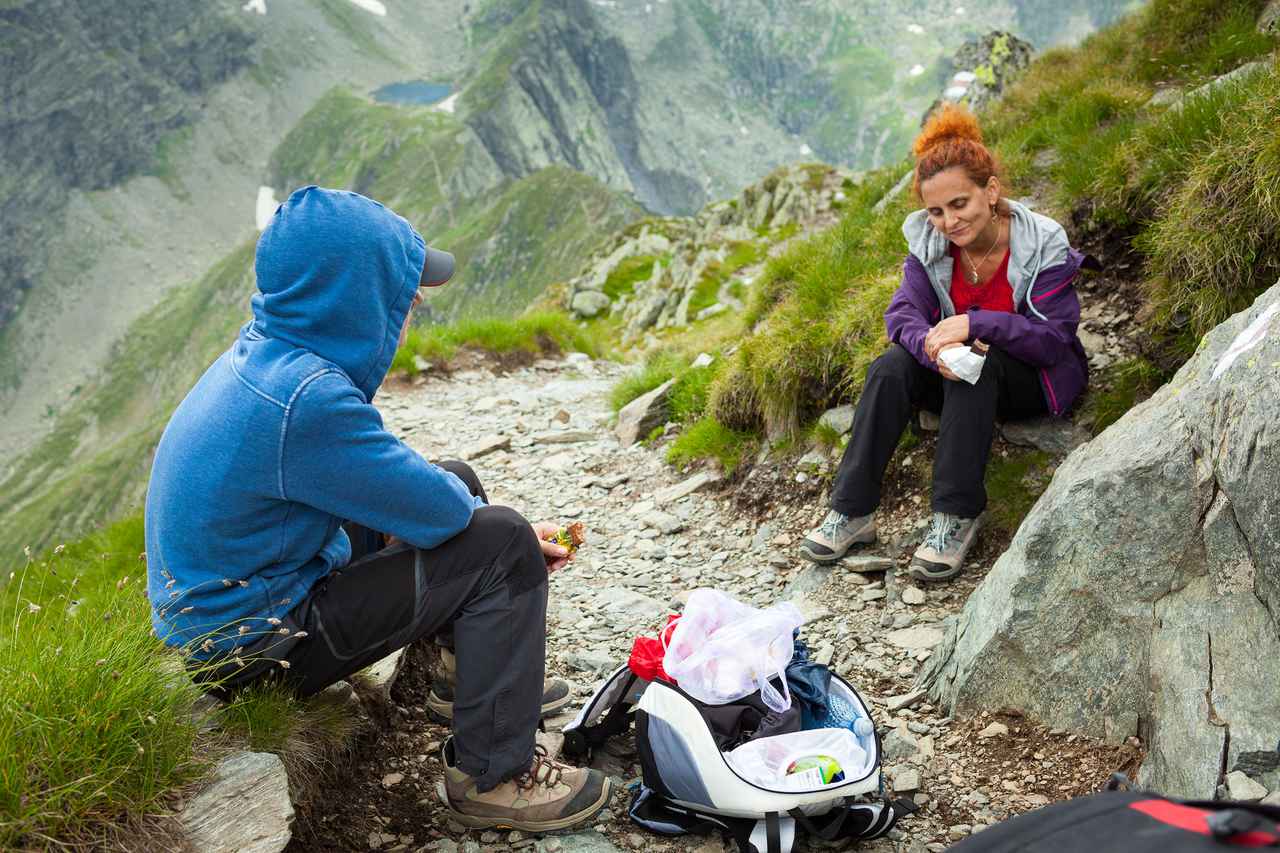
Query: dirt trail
point(560, 461)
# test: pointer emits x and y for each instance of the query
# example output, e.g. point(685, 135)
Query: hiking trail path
point(541, 439)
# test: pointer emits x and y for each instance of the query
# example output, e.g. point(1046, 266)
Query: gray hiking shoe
point(941, 555)
point(555, 692)
point(549, 796)
point(829, 541)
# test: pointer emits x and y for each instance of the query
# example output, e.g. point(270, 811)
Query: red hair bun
point(952, 138)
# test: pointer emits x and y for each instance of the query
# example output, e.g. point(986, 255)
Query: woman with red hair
point(987, 290)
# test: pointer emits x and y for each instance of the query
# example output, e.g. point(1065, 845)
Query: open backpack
point(690, 786)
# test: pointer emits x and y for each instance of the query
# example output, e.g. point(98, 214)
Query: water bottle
point(842, 714)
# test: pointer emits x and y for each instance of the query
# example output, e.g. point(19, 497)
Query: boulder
point(984, 68)
point(1052, 435)
point(244, 809)
point(839, 419)
point(589, 303)
point(638, 418)
point(1140, 596)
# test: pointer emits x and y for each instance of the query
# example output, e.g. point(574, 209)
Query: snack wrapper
point(964, 362)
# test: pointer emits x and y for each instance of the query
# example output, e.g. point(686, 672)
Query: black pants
point(896, 385)
point(488, 585)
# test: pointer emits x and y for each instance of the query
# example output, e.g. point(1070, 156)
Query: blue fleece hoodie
point(279, 442)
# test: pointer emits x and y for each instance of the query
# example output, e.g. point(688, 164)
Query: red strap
point(1196, 820)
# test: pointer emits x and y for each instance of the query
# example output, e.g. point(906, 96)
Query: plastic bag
point(723, 650)
point(764, 762)
point(647, 653)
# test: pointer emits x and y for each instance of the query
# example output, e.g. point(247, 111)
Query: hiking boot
point(941, 555)
point(549, 796)
point(829, 541)
point(555, 692)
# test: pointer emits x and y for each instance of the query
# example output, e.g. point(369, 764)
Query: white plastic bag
point(723, 650)
point(764, 761)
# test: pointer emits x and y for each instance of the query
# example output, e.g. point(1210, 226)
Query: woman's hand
point(953, 330)
point(942, 368)
point(557, 556)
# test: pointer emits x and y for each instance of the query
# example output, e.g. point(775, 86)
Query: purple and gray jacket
point(1042, 329)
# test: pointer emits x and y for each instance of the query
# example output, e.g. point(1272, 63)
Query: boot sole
point(927, 571)
point(440, 711)
point(837, 556)
point(536, 826)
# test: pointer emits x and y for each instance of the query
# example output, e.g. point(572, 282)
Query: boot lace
point(543, 771)
point(942, 531)
point(832, 525)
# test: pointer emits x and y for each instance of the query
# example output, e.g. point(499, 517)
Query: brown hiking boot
point(555, 692)
point(549, 796)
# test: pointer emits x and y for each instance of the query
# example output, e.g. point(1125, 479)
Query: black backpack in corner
point(1131, 822)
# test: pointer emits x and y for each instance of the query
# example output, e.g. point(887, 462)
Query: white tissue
point(964, 363)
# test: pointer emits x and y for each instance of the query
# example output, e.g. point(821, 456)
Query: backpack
point(1132, 822)
point(689, 785)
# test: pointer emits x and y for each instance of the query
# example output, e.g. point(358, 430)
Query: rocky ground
point(541, 439)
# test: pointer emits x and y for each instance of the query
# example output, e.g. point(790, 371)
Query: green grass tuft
point(307, 734)
point(709, 439)
point(95, 715)
point(542, 332)
point(658, 367)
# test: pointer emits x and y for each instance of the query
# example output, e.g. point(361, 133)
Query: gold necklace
point(973, 268)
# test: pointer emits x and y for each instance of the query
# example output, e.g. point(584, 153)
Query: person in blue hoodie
point(275, 471)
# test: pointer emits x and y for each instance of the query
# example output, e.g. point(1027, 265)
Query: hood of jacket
point(1036, 243)
point(336, 276)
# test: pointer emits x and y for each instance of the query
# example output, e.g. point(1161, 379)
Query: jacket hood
point(336, 276)
point(1036, 243)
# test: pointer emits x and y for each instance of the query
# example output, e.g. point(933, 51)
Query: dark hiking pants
point(897, 384)
point(487, 586)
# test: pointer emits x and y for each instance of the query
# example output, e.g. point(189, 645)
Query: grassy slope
point(94, 464)
point(1156, 176)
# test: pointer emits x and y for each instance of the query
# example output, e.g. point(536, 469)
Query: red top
point(994, 294)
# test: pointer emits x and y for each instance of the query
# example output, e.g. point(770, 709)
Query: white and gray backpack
point(691, 786)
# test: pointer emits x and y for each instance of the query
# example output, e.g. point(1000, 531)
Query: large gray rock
point(638, 418)
point(245, 808)
point(1141, 594)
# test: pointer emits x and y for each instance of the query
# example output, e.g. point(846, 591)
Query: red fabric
point(994, 294)
point(647, 653)
point(1195, 820)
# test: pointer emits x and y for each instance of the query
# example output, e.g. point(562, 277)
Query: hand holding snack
point(559, 543)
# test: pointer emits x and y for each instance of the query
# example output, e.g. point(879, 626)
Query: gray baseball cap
point(437, 269)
